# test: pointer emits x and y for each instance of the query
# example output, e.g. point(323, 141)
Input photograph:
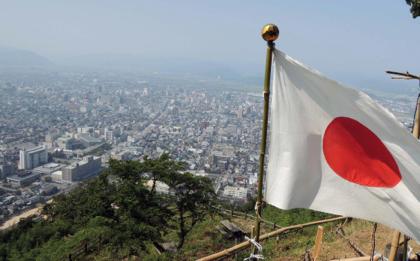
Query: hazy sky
point(350, 40)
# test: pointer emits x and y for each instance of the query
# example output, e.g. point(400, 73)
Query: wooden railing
point(230, 251)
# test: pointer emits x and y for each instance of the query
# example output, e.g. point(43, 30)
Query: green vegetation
point(291, 217)
point(296, 244)
point(415, 7)
point(121, 214)
point(114, 215)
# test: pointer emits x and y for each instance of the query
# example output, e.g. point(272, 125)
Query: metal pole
point(269, 33)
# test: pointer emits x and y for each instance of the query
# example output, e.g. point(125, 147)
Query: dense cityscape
point(58, 129)
point(209, 130)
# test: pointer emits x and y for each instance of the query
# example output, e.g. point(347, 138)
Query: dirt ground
point(360, 232)
point(14, 220)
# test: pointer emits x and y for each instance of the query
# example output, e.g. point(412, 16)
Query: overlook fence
point(232, 250)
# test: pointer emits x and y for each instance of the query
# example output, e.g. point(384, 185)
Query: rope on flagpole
point(258, 246)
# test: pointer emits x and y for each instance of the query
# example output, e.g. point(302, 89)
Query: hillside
point(10, 57)
point(116, 215)
point(120, 216)
point(205, 240)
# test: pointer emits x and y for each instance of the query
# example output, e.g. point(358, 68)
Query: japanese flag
point(333, 149)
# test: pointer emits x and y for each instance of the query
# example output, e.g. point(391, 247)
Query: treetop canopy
point(415, 7)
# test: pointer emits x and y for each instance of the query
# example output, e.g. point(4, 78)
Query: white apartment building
point(33, 157)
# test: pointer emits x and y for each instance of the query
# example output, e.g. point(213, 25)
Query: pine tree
point(415, 7)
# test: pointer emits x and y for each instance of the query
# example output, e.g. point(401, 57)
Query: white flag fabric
point(333, 149)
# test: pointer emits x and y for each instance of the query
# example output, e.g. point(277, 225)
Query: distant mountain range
point(245, 74)
point(10, 57)
point(139, 63)
point(18, 58)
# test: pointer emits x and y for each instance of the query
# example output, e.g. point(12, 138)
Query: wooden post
point(236, 254)
point(362, 258)
point(416, 123)
point(405, 247)
point(318, 242)
point(253, 232)
point(394, 245)
point(372, 254)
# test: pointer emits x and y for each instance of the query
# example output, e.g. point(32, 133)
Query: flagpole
point(269, 33)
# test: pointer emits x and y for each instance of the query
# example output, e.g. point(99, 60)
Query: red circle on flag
point(356, 154)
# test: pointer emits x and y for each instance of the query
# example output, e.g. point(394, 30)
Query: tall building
point(109, 134)
point(68, 142)
point(85, 130)
point(33, 157)
point(88, 167)
point(6, 170)
point(88, 140)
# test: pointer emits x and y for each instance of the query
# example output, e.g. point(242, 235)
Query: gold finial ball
point(270, 32)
